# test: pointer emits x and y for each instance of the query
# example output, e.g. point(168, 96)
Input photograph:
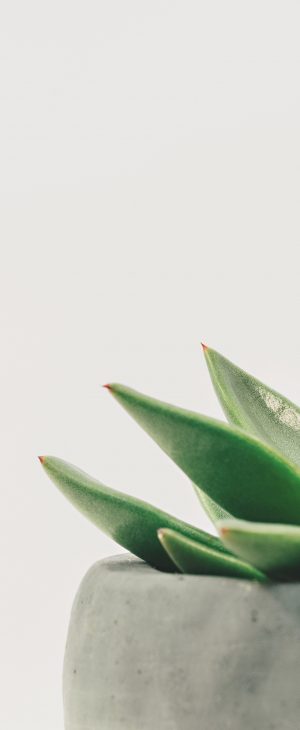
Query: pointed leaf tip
point(127, 520)
point(223, 531)
point(107, 386)
point(273, 549)
point(255, 407)
point(42, 459)
point(189, 556)
point(204, 346)
point(219, 459)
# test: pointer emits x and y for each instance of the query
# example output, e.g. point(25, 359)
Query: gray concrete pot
point(153, 651)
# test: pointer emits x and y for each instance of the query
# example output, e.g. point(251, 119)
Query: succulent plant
point(246, 475)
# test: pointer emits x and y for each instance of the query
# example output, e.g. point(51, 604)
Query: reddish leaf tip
point(107, 386)
point(42, 459)
point(224, 531)
point(204, 346)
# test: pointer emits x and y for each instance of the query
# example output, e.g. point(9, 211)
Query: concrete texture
point(153, 651)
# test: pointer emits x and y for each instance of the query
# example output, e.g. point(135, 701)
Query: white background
point(150, 163)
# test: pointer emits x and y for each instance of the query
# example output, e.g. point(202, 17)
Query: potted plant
point(196, 631)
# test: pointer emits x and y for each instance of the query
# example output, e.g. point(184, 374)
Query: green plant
point(246, 474)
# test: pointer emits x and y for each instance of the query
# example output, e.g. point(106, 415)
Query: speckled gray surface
point(153, 651)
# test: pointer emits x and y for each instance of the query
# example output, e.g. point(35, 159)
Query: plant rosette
point(150, 643)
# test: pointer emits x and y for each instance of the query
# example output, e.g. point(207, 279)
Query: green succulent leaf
point(131, 522)
point(212, 509)
point(255, 407)
point(274, 549)
point(192, 557)
point(245, 477)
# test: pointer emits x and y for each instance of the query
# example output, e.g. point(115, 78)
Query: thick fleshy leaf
point(255, 407)
point(131, 522)
point(245, 477)
point(274, 549)
point(212, 509)
point(191, 557)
